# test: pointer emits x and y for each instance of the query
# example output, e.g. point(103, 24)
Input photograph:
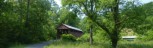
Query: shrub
point(84, 37)
point(148, 36)
point(68, 37)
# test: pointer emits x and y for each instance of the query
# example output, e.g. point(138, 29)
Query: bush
point(84, 37)
point(68, 37)
point(148, 36)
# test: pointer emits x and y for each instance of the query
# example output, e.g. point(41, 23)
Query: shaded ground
point(39, 45)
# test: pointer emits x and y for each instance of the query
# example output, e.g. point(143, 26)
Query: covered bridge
point(66, 29)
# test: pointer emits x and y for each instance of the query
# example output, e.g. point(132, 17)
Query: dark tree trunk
point(115, 33)
point(114, 43)
point(27, 15)
point(20, 10)
point(114, 39)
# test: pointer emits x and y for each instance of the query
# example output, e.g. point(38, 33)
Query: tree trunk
point(91, 35)
point(20, 10)
point(27, 15)
point(114, 40)
point(115, 34)
point(114, 43)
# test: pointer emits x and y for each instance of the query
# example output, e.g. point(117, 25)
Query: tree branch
point(103, 26)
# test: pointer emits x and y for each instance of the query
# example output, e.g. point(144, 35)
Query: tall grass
point(136, 44)
point(68, 44)
point(122, 44)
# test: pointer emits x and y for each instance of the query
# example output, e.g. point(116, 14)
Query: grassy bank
point(136, 44)
point(66, 44)
point(122, 44)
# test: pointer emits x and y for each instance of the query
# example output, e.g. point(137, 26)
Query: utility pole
point(91, 35)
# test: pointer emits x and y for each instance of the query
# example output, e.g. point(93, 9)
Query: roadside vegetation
point(68, 41)
point(17, 46)
point(106, 44)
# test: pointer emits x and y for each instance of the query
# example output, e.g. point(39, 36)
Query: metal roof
point(72, 27)
point(129, 36)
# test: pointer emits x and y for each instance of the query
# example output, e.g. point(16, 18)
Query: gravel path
point(39, 45)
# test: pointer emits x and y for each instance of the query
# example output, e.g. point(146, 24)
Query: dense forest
point(33, 21)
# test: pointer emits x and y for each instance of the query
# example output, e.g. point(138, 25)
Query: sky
point(143, 1)
point(146, 1)
point(58, 2)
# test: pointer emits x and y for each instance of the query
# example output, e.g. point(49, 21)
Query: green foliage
point(13, 22)
point(98, 34)
point(84, 37)
point(68, 17)
point(138, 17)
point(68, 37)
point(16, 45)
point(45, 16)
point(112, 18)
point(148, 36)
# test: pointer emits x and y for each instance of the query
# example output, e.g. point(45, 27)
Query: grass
point(136, 44)
point(104, 44)
point(67, 44)
point(122, 44)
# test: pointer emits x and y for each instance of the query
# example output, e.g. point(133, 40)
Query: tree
point(145, 28)
point(97, 34)
point(27, 15)
point(88, 27)
point(138, 19)
point(68, 17)
point(91, 34)
point(104, 13)
point(7, 23)
point(13, 20)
